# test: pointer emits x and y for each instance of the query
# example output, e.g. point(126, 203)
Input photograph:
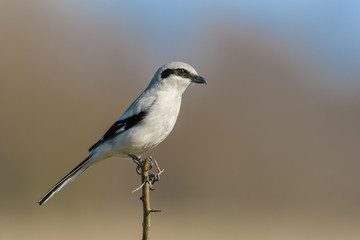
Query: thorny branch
point(147, 181)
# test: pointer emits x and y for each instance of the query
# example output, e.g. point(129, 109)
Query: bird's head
point(177, 76)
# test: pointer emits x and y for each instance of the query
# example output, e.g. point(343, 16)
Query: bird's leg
point(135, 158)
point(137, 161)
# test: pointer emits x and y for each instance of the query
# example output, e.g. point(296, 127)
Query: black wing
point(121, 126)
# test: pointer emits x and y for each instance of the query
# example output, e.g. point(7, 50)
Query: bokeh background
point(269, 149)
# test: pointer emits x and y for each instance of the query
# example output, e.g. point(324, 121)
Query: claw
point(151, 162)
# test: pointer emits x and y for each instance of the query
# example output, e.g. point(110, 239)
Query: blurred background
point(269, 149)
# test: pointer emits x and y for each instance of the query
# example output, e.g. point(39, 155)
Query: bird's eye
point(181, 70)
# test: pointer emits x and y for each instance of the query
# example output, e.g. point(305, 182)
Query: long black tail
point(71, 176)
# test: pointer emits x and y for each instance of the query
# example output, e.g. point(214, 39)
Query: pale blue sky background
point(329, 29)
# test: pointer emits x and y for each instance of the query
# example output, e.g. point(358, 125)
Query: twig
point(145, 197)
point(147, 180)
point(158, 168)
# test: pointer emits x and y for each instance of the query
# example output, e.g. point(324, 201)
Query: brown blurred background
point(269, 149)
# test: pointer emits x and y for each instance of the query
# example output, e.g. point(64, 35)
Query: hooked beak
point(198, 79)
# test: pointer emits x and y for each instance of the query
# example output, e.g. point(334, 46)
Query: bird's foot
point(138, 161)
point(152, 177)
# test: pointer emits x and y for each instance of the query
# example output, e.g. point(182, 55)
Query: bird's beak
point(198, 79)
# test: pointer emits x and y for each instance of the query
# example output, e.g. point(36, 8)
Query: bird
point(145, 123)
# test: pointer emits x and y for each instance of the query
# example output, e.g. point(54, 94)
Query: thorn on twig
point(155, 210)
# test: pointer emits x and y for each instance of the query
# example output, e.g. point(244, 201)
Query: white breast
point(162, 118)
point(153, 129)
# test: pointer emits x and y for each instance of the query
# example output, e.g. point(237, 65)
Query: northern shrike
point(145, 124)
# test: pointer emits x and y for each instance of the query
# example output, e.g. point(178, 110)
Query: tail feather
point(71, 176)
